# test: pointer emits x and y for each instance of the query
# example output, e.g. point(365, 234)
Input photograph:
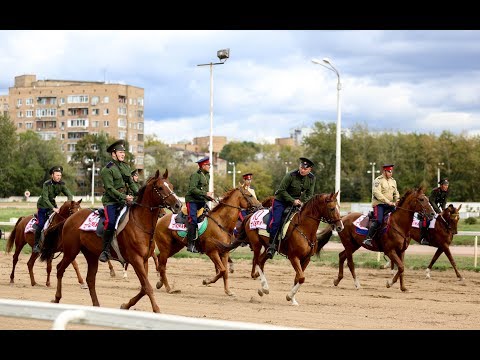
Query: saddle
point(121, 221)
point(181, 217)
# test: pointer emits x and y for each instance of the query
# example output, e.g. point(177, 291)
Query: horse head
point(324, 207)
point(68, 208)
point(451, 216)
point(415, 200)
point(248, 201)
point(158, 192)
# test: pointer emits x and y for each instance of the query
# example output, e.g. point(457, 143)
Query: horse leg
point(49, 271)
point(155, 260)
point(434, 259)
point(18, 249)
point(112, 271)
point(394, 258)
point(30, 264)
point(146, 288)
point(125, 271)
point(221, 271)
point(263, 282)
point(299, 278)
point(92, 263)
point(257, 248)
point(341, 260)
point(231, 267)
point(225, 258)
point(79, 276)
point(162, 270)
point(447, 252)
point(61, 266)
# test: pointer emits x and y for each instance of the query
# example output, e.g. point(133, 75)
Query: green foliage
point(470, 221)
point(240, 152)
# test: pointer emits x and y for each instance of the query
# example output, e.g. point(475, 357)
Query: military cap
point(248, 176)
point(134, 172)
point(388, 167)
point(443, 182)
point(118, 145)
point(305, 163)
point(56, 168)
point(204, 161)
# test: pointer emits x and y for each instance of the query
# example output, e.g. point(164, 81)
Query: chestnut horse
point(392, 238)
point(20, 238)
point(300, 241)
point(221, 222)
point(441, 237)
point(135, 241)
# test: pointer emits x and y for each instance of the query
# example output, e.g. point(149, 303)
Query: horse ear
point(458, 210)
point(165, 174)
point(157, 173)
point(79, 201)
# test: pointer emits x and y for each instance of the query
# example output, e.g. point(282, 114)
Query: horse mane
point(408, 193)
point(225, 197)
point(310, 205)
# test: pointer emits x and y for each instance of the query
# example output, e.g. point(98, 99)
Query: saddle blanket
point(256, 220)
point(29, 226)
point(91, 222)
point(416, 222)
point(357, 222)
point(180, 227)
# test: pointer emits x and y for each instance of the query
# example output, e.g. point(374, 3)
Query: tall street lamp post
point(339, 123)
point(223, 55)
point(287, 163)
point(373, 172)
point(93, 178)
point(233, 172)
point(438, 170)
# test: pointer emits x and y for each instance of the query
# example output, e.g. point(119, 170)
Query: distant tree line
point(25, 160)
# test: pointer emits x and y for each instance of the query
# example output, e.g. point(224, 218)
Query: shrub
point(470, 221)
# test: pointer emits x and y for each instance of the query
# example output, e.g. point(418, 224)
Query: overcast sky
point(396, 80)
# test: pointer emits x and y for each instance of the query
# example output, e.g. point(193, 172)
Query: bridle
point(247, 197)
point(329, 220)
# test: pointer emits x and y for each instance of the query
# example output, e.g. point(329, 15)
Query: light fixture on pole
point(373, 172)
point(286, 166)
point(234, 172)
point(338, 151)
point(438, 170)
point(92, 161)
point(223, 55)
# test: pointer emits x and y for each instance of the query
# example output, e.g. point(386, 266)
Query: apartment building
point(68, 110)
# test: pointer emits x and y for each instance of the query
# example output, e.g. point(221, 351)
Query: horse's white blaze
point(171, 191)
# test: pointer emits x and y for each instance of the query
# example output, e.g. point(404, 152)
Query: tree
point(240, 152)
point(8, 144)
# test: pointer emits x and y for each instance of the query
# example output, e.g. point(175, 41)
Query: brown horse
point(125, 267)
point(392, 238)
point(20, 238)
point(300, 241)
point(135, 241)
point(441, 237)
point(221, 222)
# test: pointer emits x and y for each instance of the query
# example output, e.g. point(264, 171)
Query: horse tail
point(11, 238)
point(223, 248)
point(322, 238)
point(50, 241)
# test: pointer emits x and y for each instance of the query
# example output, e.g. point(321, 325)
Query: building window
point(140, 101)
point(82, 99)
point(140, 126)
point(122, 122)
point(71, 147)
point(95, 100)
point(95, 123)
point(19, 125)
point(105, 111)
point(95, 111)
point(122, 135)
point(19, 102)
point(106, 99)
point(62, 101)
point(28, 125)
point(106, 123)
point(29, 113)
point(29, 101)
point(122, 111)
point(78, 123)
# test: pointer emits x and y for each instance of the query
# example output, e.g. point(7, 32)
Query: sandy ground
point(438, 303)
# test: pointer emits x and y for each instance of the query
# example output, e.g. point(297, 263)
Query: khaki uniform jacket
point(252, 191)
point(384, 190)
point(50, 191)
point(116, 175)
point(198, 187)
point(295, 186)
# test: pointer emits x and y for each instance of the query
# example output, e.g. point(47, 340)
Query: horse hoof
point(266, 291)
point(83, 286)
point(159, 284)
point(335, 282)
point(388, 284)
point(260, 292)
point(288, 297)
point(230, 293)
point(174, 292)
point(123, 306)
point(204, 282)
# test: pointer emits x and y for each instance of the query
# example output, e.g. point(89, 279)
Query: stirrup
point(271, 252)
point(424, 242)
point(36, 248)
point(192, 249)
point(367, 242)
point(104, 256)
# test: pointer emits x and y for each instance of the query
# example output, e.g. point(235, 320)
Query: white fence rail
point(62, 314)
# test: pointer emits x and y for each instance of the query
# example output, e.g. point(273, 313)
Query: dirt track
point(439, 303)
